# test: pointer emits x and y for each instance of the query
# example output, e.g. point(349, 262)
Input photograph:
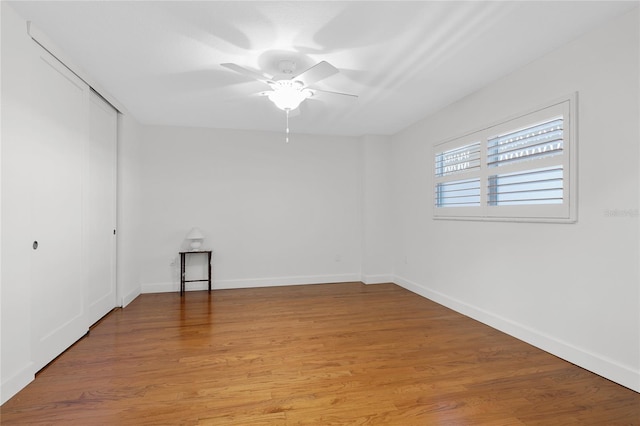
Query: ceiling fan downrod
point(286, 139)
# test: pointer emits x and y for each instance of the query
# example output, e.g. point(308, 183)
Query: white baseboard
point(16, 383)
point(168, 287)
point(595, 363)
point(251, 283)
point(130, 297)
point(377, 279)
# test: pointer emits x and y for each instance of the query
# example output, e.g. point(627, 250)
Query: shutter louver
point(539, 141)
point(540, 186)
point(458, 160)
point(458, 193)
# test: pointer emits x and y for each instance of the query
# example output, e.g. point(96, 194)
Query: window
point(520, 169)
point(465, 192)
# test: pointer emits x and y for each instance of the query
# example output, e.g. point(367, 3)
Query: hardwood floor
point(335, 354)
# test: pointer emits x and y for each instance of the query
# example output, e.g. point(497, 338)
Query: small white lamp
point(195, 237)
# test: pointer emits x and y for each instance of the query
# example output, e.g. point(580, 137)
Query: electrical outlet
point(338, 258)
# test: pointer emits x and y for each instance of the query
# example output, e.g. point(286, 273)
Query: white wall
point(377, 259)
point(129, 216)
point(572, 289)
point(273, 213)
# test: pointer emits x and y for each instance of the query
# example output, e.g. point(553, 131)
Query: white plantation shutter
point(520, 169)
point(521, 148)
point(458, 193)
point(539, 186)
point(458, 161)
point(464, 158)
point(537, 141)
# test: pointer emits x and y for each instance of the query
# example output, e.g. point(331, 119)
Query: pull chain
point(286, 139)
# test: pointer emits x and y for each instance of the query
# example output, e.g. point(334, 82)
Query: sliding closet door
point(60, 105)
point(100, 209)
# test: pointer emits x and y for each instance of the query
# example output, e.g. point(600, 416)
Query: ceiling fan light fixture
point(290, 89)
point(288, 98)
point(287, 95)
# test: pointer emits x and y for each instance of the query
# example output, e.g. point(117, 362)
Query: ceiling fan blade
point(248, 72)
point(318, 72)
point(334, 93)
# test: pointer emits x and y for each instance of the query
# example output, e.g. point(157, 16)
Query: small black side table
point(183, 256)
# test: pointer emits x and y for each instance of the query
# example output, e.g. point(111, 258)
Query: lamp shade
point(195, 237)
point(195, 234)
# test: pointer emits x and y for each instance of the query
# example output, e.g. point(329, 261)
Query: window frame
point(566, 212)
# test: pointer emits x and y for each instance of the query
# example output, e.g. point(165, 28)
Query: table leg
point(209, 255)
point(182, 273)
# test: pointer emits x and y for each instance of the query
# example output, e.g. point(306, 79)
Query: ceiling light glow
point(288, 94)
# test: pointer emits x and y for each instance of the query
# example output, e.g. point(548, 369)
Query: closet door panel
point(60, 130)
point(100, 209)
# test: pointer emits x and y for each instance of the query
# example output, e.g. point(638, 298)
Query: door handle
point(35, 245)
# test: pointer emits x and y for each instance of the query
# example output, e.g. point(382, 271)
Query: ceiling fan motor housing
point(287, 66)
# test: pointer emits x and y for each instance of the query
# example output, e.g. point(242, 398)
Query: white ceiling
point(405, 60)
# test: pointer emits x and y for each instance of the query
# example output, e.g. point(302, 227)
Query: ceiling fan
point(288, 89)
